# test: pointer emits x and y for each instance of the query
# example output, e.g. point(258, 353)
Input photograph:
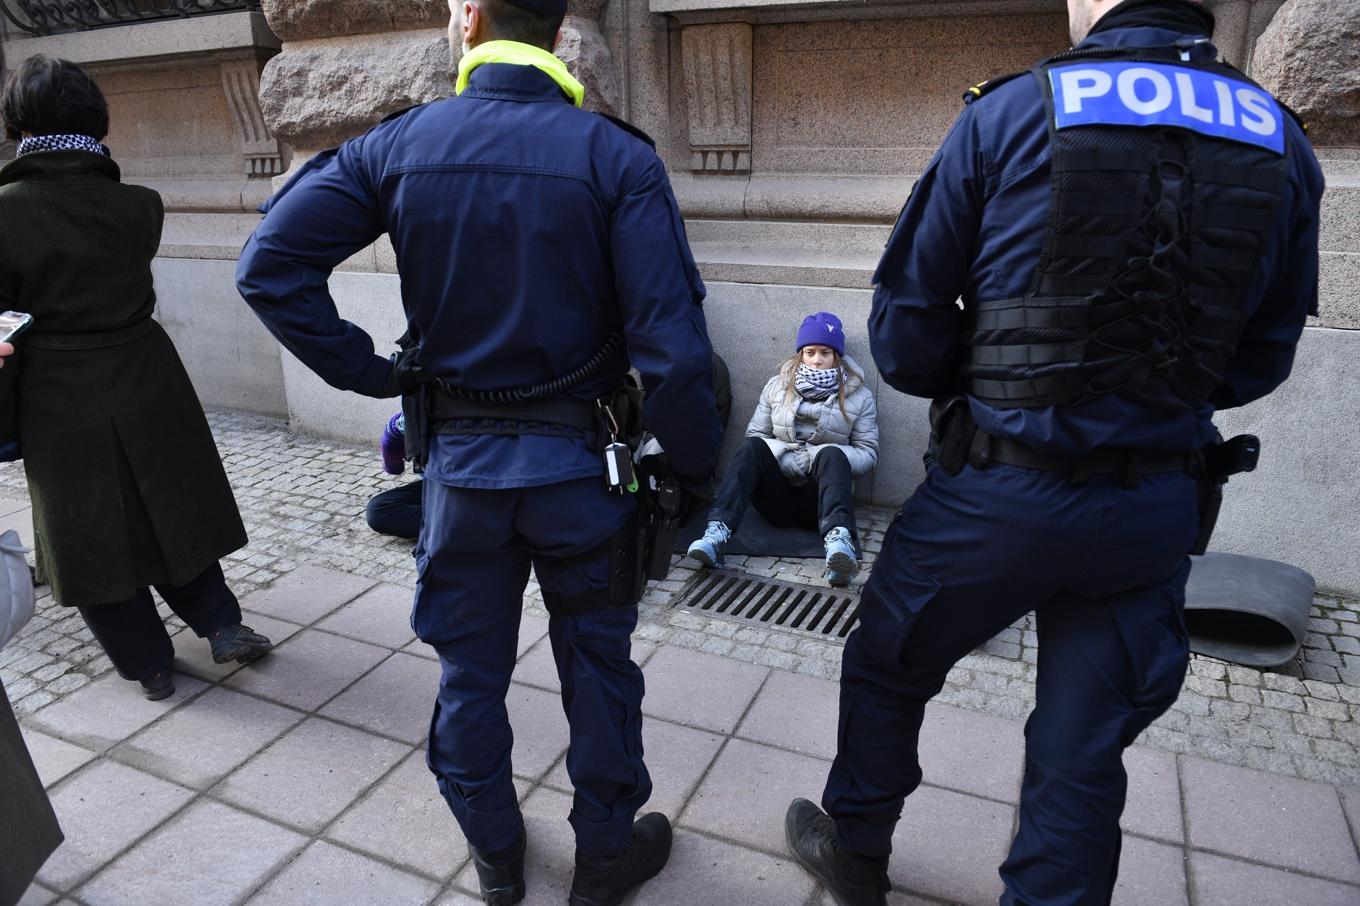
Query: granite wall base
point(373, 301)
point(1299, 507)
point(231, 359)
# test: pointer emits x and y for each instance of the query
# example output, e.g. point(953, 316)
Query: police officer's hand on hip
point(541, 252)
point(1132, 227)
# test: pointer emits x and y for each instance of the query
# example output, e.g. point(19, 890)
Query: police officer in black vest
point(541, 253)
point(1132, 228)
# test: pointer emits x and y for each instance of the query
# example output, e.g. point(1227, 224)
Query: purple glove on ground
point(393, 445)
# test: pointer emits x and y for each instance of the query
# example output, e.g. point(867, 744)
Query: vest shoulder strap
point(983, 88)
point(1293, 114)
point(402, 112)
point(630, 129)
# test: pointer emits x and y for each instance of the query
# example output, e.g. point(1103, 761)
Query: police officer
point(1132, 228)
point(528, 233)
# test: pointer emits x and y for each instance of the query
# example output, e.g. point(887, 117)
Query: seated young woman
point(814, 431)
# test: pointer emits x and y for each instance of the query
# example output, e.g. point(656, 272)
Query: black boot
point(852, 880)
point(238, 643)
point(604, 882)
point(501, 874)
point(159, 685)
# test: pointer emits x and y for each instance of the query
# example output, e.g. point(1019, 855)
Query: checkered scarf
point(816, 384)
point(71, 142)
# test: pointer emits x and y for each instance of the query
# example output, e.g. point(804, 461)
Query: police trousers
point(473, 559)
point(1104, 569)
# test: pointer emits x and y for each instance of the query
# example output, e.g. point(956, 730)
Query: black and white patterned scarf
point(816, 384)
point(69, 142)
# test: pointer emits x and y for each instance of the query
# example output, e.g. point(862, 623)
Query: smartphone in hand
point(13, 324)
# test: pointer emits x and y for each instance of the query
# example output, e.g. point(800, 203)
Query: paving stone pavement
point(301, 779)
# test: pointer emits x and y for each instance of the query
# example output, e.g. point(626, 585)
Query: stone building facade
point(792, 129)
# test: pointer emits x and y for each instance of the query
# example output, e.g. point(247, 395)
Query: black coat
point(28, 831)
point(127, 486)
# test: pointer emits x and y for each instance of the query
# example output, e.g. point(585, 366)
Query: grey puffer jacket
point(16, 587)
point(854, 432)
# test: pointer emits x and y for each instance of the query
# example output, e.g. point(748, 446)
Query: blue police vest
point(1167, 176)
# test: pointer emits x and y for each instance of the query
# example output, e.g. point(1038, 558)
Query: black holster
point(1210, 494)
point(623, 552)
point(951, 433)
point(638, 551)
point(415, 409)
point(1218, 462)
point(661, 508)
point(661, 526)
point(627, 577)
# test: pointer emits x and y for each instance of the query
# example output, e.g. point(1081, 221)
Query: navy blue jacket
point(974, 228)
point(526, 232)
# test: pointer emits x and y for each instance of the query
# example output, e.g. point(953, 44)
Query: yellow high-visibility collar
point(519, 55)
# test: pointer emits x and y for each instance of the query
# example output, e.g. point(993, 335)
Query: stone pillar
point(1309, 57)
point(346, 64)
point(1239, 24)
point(587, 56)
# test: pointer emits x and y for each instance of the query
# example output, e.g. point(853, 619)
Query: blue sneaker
point(841, 563)
point(708, 550)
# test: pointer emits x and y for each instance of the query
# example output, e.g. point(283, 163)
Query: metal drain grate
point(731, 595)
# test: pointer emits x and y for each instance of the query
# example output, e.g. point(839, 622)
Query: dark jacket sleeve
point(9, 377)
point(323, 216)
point(722, 390)
point(1265, 351)
point(915, 319)
point(9, 409)
point(660, 293)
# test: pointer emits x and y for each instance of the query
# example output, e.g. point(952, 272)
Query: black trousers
point(824, 502)
point(133, 636)
point(397, 511)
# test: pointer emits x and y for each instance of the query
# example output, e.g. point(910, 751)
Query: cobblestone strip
point(1273, 721)
point(302, 500)
point(54, 656)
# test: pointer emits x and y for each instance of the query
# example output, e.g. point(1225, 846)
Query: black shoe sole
point(614, 899)
point(577, 899)
point(155, 695)
point(248, 656)
point(503, 896)
point(812, 869)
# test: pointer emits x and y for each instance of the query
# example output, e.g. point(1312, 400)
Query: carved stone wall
point(185, 120)
point(261, 150)
point(183, 104)
point(877, 96)
point(717, 65)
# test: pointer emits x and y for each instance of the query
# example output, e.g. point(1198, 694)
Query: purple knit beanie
point(822, 329)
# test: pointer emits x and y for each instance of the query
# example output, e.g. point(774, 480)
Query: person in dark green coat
point(127, 486)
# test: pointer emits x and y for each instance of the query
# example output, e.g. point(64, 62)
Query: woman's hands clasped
point(796, 464)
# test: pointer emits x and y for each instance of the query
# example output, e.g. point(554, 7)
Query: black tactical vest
point(1167, 178)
